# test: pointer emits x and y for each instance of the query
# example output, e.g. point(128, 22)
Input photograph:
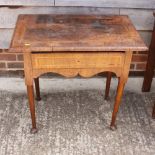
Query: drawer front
point(77, 60)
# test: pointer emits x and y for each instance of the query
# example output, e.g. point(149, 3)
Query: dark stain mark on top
point(47, 19)
point(44, 19)
point(97, 24)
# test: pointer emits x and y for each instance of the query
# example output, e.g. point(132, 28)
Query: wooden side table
point(150, 68)
point(75, 45)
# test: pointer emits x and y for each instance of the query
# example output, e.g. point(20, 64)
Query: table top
point(76, 33)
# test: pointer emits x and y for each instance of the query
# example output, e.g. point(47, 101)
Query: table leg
point(119, 94)
point(36, 81)
point(108, 85)
point(30, 93)
point(150, 65)
point(153, 113)
point(149, 72)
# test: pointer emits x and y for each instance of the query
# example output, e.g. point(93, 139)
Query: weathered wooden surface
point(9, 16)
point(28, 2)
point(76, 33)
point(6, 36)
point(142, 19)
point(108, 3)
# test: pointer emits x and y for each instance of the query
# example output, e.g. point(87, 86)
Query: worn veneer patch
point(45, 33)
point(77, 32)
point(57, 25)
point(44, 19)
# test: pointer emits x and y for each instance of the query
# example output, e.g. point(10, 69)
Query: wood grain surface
point(76, 33)
point(142, 19)
point(78, 60)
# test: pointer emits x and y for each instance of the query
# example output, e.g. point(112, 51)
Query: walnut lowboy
point(73, 45)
